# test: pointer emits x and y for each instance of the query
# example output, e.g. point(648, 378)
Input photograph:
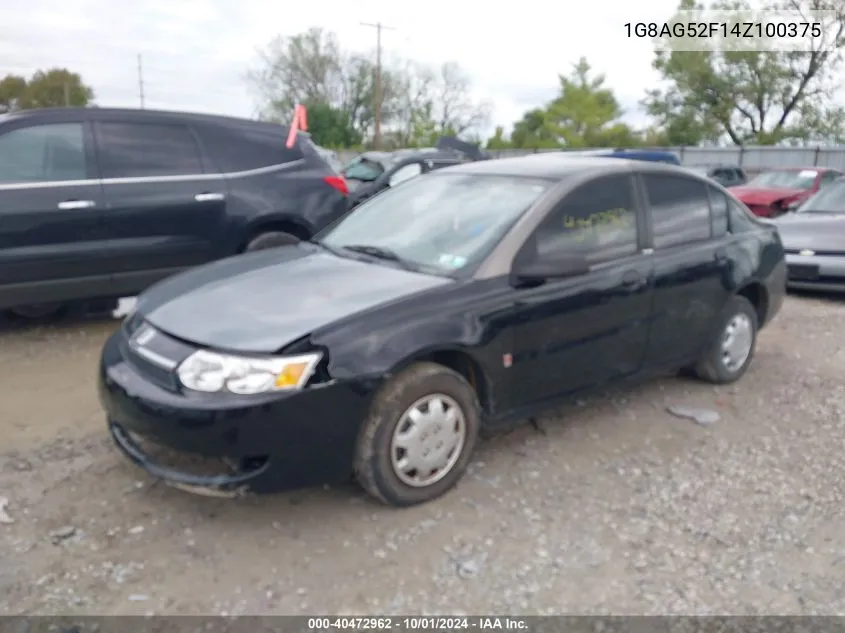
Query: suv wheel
point(732, 348)
point(271, 239)
point(39, 312)
point(419, 436)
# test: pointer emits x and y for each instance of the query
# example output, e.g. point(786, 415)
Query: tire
point(36, 313)
point(374, 465)
point(716, 366)
point(271, 239)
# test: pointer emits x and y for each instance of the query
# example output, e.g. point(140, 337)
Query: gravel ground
point(611, 506)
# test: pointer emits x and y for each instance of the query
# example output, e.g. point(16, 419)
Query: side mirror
point(550, 267)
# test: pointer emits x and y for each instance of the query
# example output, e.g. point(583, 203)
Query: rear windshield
point(784, 179)
point(363, 169)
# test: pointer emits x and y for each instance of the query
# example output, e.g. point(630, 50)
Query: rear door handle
point(77, 204)
point(209, 197)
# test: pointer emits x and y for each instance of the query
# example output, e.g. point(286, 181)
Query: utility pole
point(140, 81)
point(378, 26)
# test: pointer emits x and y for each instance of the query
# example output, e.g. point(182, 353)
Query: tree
point(531, 131)
point(417, 103)
point(45, 89)
point(752, 96)
point(330, 127)
point(586, 113)
point(498, 140)
point(12, 88)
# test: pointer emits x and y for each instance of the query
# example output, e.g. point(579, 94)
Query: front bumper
point(816, 272)
point(270, 442)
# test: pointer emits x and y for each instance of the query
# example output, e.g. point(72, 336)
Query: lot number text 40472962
point(416, 623)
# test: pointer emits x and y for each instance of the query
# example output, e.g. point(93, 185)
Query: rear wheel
point(271, 239)
point(732, 347)
point(36, 313)
point(419, 436)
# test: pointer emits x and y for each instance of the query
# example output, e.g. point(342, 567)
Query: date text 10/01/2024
point(416, 623)
point(723, 30)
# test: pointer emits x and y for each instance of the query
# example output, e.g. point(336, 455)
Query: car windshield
point(831, 199)
point(785, 179)
point(363, 169)
point(440, 223)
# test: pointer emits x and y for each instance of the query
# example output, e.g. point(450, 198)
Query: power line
point(378, 26)
point(140, 81)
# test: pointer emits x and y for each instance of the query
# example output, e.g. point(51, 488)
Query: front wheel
point(731, 349)
point(271, 239)
point(419, 436)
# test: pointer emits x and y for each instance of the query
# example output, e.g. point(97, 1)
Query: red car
point(776, 191)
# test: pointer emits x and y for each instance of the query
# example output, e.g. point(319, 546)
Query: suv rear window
point(235, 149)
point(131, 150)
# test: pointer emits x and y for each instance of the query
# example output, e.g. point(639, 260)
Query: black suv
point(101, 203)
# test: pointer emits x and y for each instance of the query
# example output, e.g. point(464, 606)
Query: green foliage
point(330, 127)
point(586, 113)
point(417, 103)
point(759, 97)
point(45, 89)
point(498, 140)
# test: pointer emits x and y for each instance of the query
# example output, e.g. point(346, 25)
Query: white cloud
point(195, 52)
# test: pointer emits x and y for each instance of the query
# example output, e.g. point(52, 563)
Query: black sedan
point(471, 297)
point(814, 239)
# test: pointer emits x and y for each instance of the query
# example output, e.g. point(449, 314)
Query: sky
point(195, 53)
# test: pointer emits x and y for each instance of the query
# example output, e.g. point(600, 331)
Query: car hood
point(814, 231)
point(262, 301)
point(764, 195)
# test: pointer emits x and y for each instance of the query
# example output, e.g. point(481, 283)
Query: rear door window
point(680, 209)
point(43, 153)
point(144, 150)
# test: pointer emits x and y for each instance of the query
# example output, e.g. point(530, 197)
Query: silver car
point(814, 240)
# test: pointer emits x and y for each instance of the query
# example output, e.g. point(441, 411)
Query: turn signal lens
point(291, 375)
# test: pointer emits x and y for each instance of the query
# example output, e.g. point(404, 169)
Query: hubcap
point(428, 440)
point(736, 342)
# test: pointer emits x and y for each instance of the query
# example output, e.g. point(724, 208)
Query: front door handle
point(77, 204)
point(209, 197)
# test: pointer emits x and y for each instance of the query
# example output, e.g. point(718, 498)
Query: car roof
point(557, 165)
point(811, 168)
point(59, 113)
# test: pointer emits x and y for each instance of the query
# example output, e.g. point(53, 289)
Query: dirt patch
point(613, 506)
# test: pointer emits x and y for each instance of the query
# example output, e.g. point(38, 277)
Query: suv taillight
point(339, 183)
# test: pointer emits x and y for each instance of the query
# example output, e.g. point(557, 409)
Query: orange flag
point(299, 122)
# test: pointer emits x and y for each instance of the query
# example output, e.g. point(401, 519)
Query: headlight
point(211, 372)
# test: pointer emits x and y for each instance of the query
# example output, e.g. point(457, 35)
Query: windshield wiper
point(380, 252)
point(375, 251)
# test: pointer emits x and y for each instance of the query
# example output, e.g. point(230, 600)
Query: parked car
point(725, 175)
point(814, 240)
point(98, 202)
point(777, 191)
point(472, 297)
point(373, 172)
point(648, 155)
